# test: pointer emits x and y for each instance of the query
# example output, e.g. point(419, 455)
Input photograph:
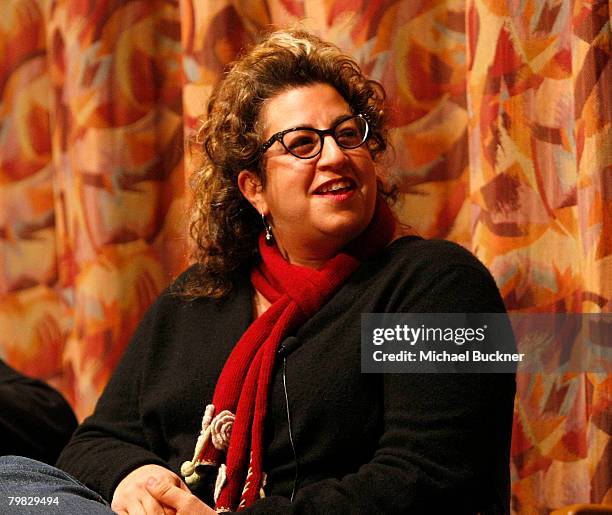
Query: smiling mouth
point(336, 187)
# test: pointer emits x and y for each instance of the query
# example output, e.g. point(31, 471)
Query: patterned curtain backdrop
point(91, 182)
point(501, 116)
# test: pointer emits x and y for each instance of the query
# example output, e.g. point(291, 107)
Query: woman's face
point(315, 206)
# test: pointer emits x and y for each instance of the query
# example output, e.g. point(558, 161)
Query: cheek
point(369, 175)
point(286, 200)
point(364, 164)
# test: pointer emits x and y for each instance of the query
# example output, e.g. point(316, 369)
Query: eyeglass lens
point(305, 143)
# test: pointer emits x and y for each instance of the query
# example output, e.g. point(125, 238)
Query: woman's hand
point(177, 499)
point(132, 497)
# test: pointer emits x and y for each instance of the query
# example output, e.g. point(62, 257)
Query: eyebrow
point(335, 121)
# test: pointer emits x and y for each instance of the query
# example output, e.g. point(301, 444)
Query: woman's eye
point(301, 141)
point(348, 135)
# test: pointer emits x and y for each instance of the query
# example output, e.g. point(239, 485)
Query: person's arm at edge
point(36, 420)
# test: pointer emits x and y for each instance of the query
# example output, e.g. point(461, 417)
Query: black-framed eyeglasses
point(306, 142)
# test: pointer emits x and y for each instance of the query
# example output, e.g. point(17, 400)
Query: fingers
point(170, 495)
point(132, 498)
point(141, 505)
point(151, 506)
point(166, 493)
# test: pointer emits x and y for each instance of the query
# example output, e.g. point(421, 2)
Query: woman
point(257, 347)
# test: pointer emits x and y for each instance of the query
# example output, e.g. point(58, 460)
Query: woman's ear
point(250, 186)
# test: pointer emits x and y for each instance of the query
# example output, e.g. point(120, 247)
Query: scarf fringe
point(214, 428)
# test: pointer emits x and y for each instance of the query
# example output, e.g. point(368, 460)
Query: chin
point(347, 230)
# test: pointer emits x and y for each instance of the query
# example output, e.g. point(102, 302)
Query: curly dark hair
point(224, 225)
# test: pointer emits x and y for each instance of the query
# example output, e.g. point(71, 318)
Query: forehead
point(313, 105)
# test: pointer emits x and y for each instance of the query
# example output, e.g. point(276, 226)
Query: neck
point(315, 252)
point(303, 255)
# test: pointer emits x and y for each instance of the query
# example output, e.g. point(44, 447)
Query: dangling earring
point(269, 235)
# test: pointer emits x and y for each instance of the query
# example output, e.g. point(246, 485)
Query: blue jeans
point(29, 487)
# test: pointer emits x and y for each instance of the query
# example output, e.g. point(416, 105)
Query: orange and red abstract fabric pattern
point(501, 120)
point(91, 182)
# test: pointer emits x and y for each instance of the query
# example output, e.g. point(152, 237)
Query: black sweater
point(365, 443)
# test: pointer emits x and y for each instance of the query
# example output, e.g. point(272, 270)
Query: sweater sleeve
point(36, 421)
point(446, 437)
point(111, 443)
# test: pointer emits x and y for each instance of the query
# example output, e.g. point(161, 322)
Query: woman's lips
point(339, 195)
point(340, 187)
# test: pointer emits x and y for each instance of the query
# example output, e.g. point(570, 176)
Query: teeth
point(336, 186)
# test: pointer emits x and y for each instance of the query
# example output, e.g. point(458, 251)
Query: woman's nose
point(331, 153)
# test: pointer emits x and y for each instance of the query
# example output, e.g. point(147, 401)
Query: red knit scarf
point(296, 294)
